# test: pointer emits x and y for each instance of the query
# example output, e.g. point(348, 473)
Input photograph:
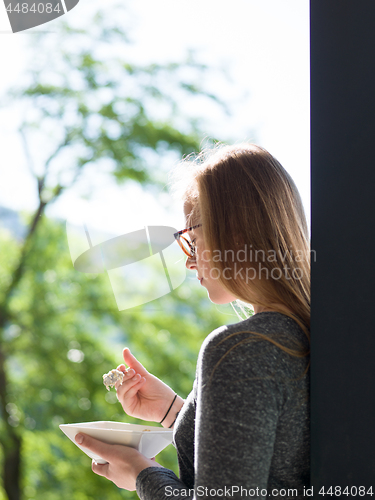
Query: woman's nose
point(191, 263)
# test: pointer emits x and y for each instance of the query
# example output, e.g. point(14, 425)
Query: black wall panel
point(343, 237)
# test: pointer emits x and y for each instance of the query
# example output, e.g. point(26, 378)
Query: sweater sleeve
point(239, 401)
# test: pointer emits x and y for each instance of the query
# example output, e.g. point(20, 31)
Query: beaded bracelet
point(169, 409)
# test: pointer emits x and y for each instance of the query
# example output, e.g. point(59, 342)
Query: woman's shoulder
point(266, 325)
point(267, 336)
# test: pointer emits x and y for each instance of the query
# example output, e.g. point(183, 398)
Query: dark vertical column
point(343, 237)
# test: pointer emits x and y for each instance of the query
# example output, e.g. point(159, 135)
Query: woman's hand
point(124, 463)
point(143, 395)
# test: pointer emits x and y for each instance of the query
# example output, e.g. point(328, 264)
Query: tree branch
point(10, 441)
point(26, 150)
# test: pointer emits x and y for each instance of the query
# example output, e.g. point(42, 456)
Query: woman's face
point(206, 274)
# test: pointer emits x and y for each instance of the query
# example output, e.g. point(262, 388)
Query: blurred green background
point(88, 110)
point(62, 330)
point(92, 111)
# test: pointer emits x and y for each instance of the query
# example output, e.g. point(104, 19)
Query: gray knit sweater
point(244, 429)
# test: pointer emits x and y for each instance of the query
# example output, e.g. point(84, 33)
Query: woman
point(244, 428)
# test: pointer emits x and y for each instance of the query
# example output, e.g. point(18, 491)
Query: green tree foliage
point(85, 103)
point(65, 333)
point(86, 108)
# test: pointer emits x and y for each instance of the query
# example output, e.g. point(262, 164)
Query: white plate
point(147, 440)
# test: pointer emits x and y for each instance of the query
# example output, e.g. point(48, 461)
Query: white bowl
point(147, 440)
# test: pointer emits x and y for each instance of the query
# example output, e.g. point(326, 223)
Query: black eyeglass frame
point(178, 236)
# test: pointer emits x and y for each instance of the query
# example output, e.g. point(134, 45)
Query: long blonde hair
point(253, 219)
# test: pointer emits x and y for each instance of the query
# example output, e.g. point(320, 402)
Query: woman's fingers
point(128, 375)
point(132, 362)
point(128, 381)
point(124, 463)
point(104, 450)
point(100, 469)
point(127, 390)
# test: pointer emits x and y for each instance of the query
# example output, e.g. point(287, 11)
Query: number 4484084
point(35, 8)
point(352, 491)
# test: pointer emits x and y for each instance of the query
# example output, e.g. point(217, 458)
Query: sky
point(262, 45)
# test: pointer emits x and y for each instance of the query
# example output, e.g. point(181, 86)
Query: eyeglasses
point(185, 242)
